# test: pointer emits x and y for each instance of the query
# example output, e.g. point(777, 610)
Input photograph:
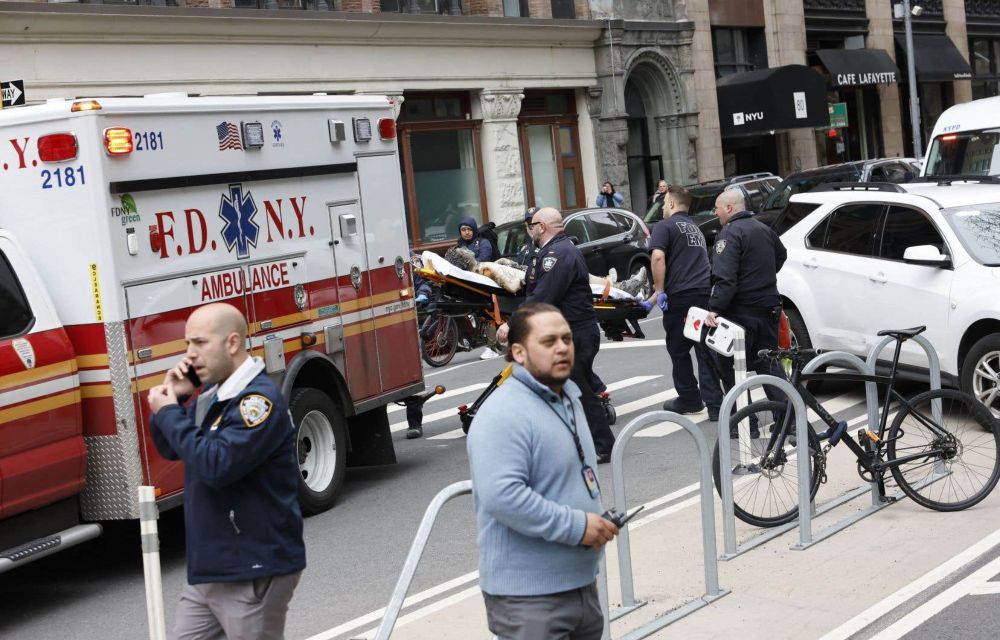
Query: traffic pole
point(150, 539)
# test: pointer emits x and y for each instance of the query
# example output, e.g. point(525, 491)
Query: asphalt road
point(355, 551)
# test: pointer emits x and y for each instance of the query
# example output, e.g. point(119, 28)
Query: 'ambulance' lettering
point(263, 277)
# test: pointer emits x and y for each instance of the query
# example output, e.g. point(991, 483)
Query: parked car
point(896, 256)
point(606, 237)
point(756, 188)
point(892, 170)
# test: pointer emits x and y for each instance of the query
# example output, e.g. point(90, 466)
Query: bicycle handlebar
point(794, 353)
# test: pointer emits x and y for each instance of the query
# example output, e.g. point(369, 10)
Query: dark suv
point(895, 170)
point(606, 237)
point(755, 187)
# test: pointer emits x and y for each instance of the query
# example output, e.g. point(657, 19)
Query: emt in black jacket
point(748, 256)
point(245, 550)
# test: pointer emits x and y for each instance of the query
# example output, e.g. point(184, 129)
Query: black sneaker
point(414, 432)
point(677, 406)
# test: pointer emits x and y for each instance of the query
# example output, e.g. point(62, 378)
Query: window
point(792, 215)
point(550, 150)
point(906, 228)
point(738, 50)
point(564, 9)
point(851, 229)
point(515, 8)
point(511, 238)
point(754, 195)
point(15, 314)
point(575, 228)
point(626, 223)
point(602, 225)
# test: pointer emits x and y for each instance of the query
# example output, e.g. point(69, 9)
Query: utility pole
point(911, 71)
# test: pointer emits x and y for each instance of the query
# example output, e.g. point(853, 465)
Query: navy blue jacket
point(557, 274)
point(481, 247)
point(241, 513)
point(685, 256)
point(748, 256)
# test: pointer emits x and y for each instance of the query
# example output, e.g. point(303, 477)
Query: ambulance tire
point(800, 339)
point(321, 446)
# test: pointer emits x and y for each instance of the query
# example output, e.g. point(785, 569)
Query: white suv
point(862, 258)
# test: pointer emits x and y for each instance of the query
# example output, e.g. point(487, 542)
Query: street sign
point(838, 115)
point(13, 93)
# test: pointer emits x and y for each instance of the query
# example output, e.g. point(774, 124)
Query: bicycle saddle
point(902, 334)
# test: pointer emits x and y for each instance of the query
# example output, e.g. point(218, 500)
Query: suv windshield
point(968, 153)
point(978, 227)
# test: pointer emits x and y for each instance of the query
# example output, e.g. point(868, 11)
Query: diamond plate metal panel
point(114, 464)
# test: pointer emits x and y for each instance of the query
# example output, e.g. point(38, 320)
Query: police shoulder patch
point(548, 262)
point(720, 246)
point(255, 409)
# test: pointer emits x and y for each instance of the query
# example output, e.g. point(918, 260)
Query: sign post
point(13, 93)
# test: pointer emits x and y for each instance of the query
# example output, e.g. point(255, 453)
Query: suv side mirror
point(927, 255)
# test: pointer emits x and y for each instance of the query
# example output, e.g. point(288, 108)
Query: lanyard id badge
point(590, 479)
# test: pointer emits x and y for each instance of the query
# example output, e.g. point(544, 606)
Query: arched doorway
point(657, 145)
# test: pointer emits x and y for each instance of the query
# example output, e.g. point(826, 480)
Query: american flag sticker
point(229, 136)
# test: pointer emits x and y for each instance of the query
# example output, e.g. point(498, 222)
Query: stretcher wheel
point(439, 340)
point(609, 411)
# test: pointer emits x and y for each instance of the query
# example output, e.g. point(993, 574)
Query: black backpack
point(488, 231)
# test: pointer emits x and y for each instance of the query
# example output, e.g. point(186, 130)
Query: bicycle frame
point(869, 452)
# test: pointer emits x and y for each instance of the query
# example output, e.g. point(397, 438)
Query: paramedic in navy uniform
point(681, 271)
point(245, 552)
point(557, 274)
point(748, 256)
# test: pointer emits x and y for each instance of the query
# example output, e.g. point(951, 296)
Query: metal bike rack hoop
point(712, 590)
point(416, 551)
point(933, 361)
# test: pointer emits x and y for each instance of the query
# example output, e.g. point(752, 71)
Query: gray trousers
point(570, 615)
point(248, 610)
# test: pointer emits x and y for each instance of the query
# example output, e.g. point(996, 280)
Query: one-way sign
point(13, 92)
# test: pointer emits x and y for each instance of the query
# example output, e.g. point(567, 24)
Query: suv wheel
point(981, 372)
point(801, 340)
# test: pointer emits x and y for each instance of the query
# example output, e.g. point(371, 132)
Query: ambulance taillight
point(57, 147)
point(387, 128)
point(118, 141)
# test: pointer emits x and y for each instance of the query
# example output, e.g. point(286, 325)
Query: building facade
point(506, 104)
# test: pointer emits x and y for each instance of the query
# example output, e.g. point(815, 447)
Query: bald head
point(728, 204)
point(216, 336)
point(549, 224)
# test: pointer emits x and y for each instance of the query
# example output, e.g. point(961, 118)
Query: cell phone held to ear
point(192, 376)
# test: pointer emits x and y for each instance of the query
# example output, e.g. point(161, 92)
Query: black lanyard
point(571, 428)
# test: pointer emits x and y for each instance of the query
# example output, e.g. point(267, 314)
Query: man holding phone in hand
point(535, 489)
point(245, 552)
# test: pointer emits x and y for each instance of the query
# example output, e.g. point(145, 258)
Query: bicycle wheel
point(956, 463)
point(766, 480)
point(440, 340)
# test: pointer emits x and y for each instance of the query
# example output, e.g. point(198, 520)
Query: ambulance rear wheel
point(321, 446)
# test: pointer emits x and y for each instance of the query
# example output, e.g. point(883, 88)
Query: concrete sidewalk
point(776, 592)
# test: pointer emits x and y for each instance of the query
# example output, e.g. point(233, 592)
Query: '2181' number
point(64, 177)
point(148, 140)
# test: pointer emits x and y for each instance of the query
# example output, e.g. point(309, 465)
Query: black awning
point(936, 58)
point(858, 67)
point(767, 100)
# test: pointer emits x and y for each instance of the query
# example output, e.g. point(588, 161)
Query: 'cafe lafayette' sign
point(858, 79)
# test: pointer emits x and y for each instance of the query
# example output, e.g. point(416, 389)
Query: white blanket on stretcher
point(445, 268)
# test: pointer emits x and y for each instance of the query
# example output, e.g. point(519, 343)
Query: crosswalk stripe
point(447, 394)
point(614, 386)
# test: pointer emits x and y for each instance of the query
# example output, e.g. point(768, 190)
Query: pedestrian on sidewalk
point(682, 279)
point(535, 491)
point(245, 552)
point(748, 256)
point(608, 197)
point(558, 275)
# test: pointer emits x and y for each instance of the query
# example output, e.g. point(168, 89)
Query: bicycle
point(946, 467)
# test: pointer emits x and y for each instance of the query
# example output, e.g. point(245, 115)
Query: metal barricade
point(712, 590)
point(413, 557)
point(726, 460)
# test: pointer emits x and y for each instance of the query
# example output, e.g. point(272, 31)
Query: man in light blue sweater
point(535, 491)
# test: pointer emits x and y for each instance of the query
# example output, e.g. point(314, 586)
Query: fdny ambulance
point(120, 216)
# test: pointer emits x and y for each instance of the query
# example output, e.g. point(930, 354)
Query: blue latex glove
point(422, 297)
point(647, 305)
point(661, 301)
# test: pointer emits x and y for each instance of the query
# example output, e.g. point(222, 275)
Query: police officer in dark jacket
point(557, 274)
point(682, 279)
point(748, 256)
point(245, 552)
point(526, 253)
